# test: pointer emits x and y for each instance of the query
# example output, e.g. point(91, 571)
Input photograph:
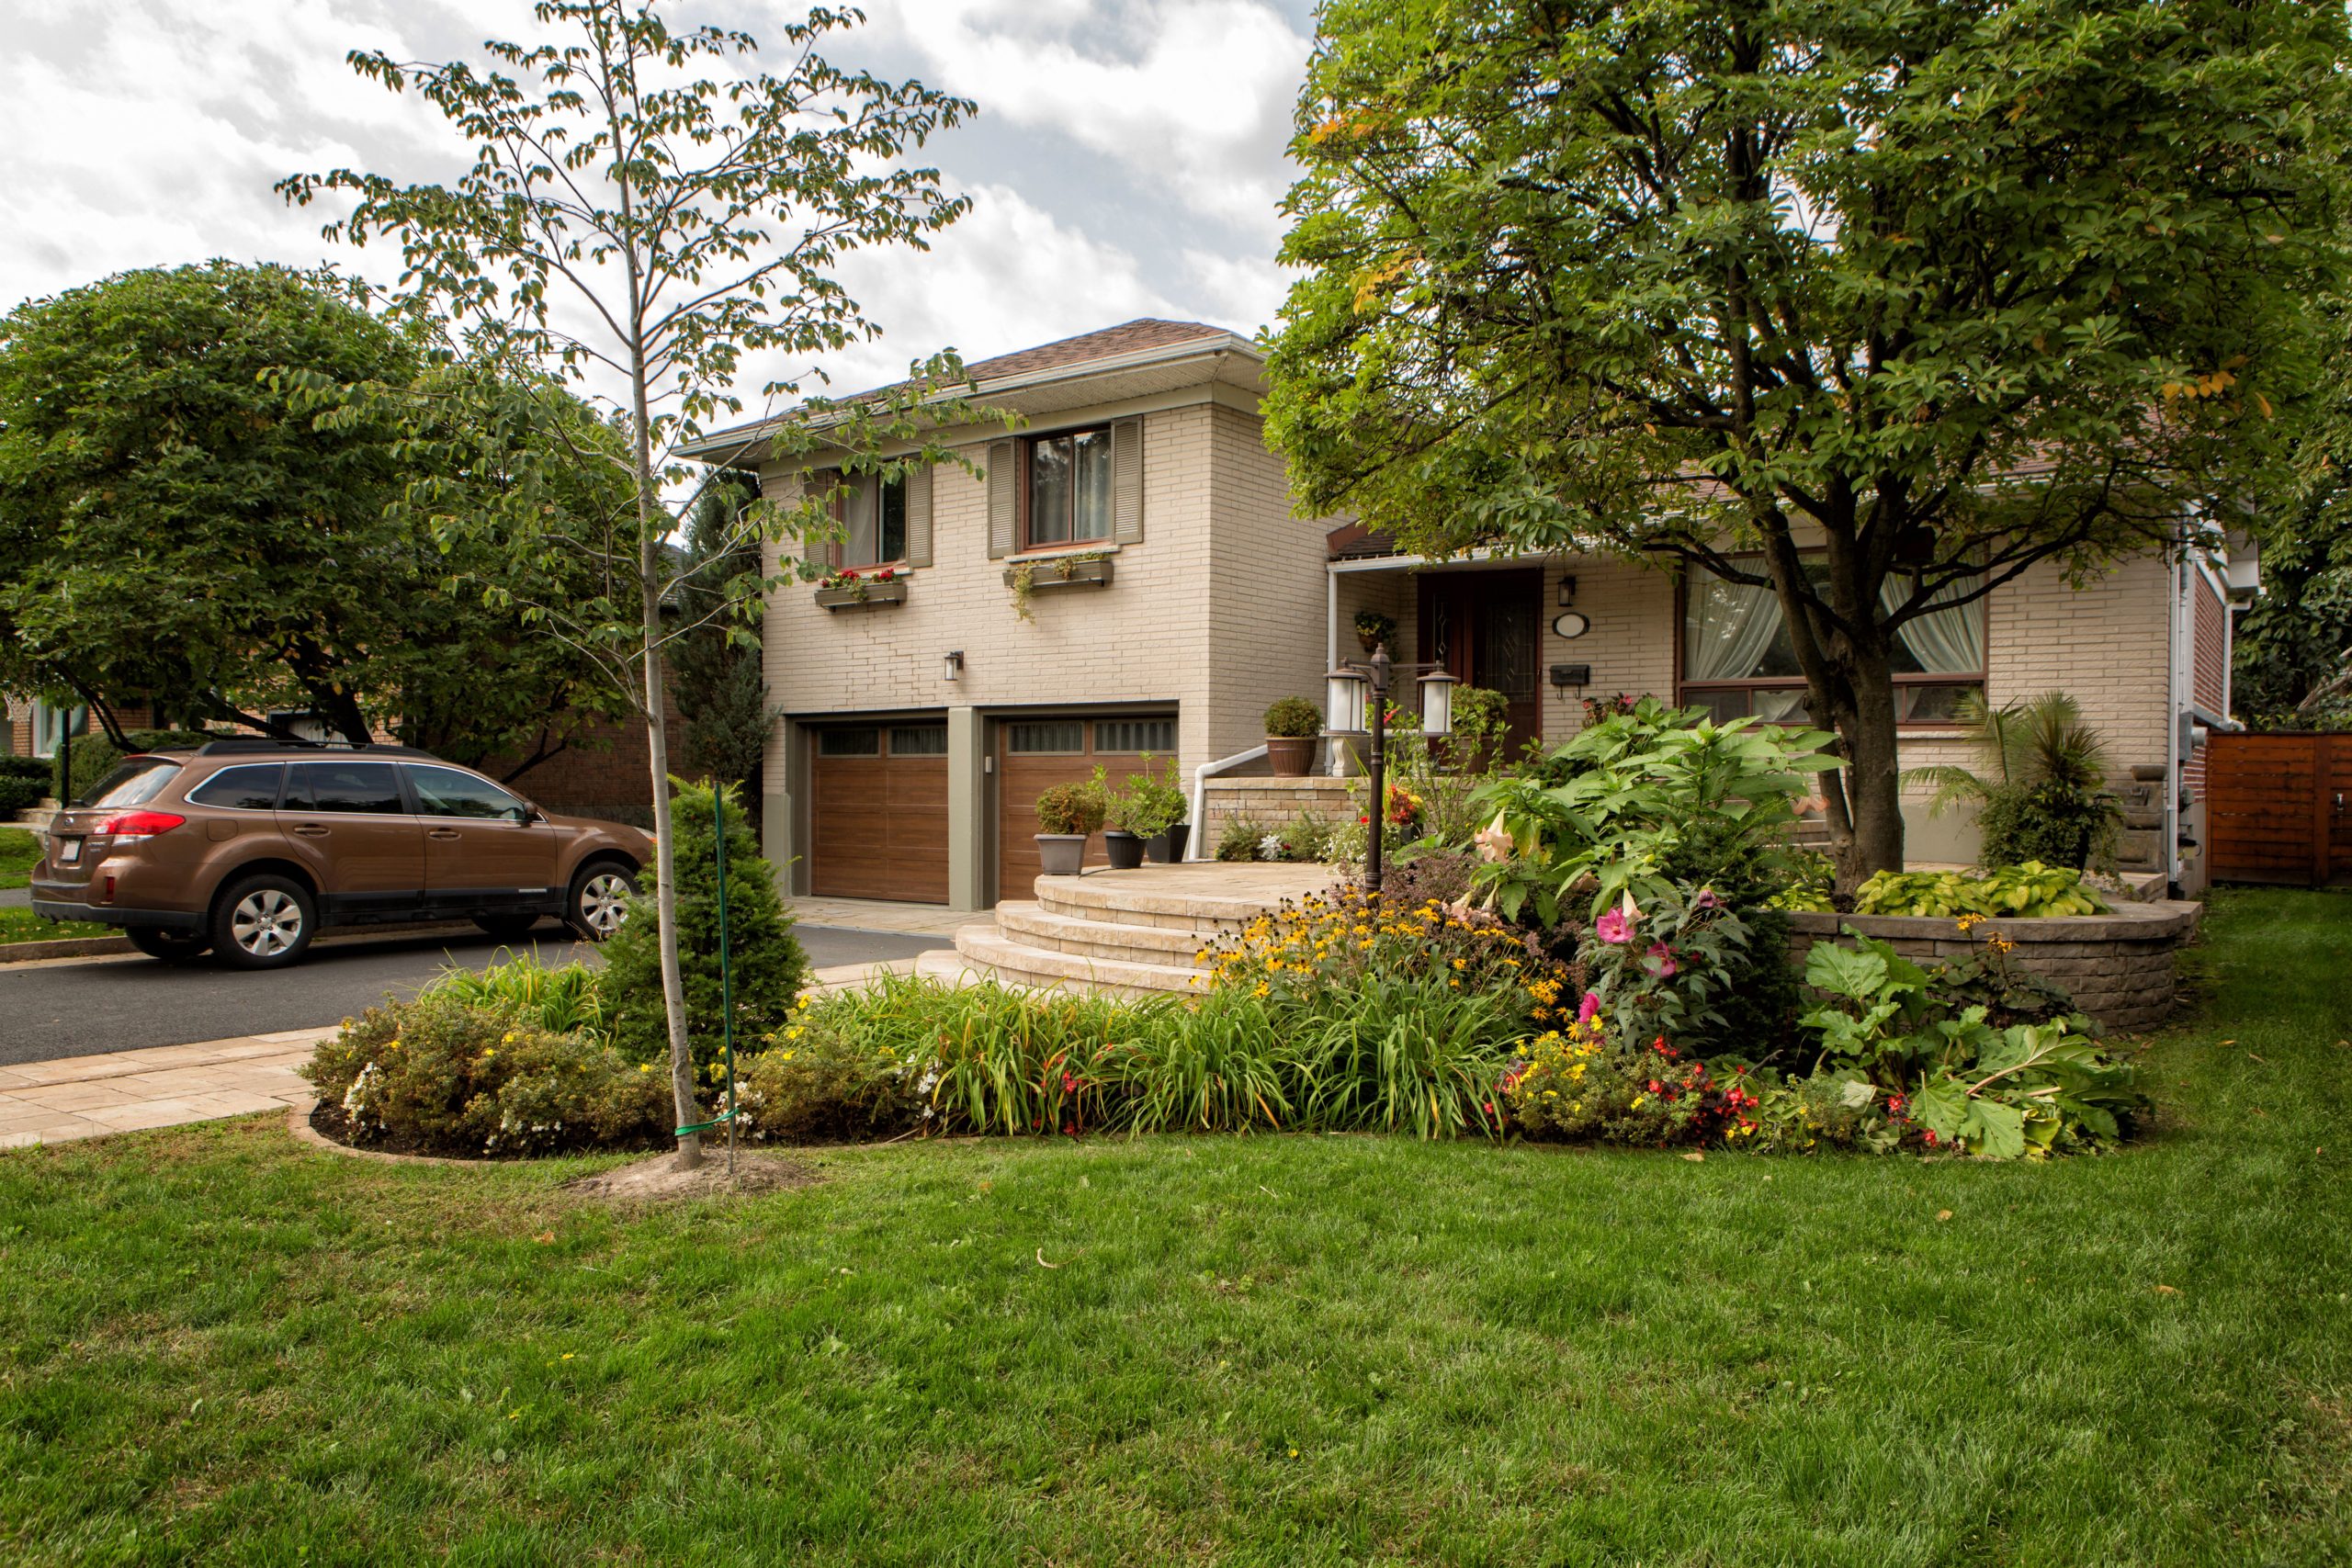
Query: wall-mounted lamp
point(1567, 591)
point(955, 665)
point(1566, 675)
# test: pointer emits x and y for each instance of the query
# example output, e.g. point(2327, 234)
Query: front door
point(485, 850)
point(1487, 629)
point(350, 823)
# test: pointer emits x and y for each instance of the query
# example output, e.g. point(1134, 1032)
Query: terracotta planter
point(1124, 849)
point(1061, 854)
point(1291, 755)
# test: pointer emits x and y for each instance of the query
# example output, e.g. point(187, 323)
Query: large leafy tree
point(643, 210)
point(171, 521)
point(1878, 304)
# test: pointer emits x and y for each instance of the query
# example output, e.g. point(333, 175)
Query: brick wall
point(1271, 803)
point(606, 772)
point(1268, 612)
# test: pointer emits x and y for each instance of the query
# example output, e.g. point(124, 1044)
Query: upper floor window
point(871, 511)
point(1069, 488)
point(1737, 657)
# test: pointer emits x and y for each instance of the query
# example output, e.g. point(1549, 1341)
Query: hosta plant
point(2032, 889)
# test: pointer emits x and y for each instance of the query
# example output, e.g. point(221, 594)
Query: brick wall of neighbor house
point(607, 772)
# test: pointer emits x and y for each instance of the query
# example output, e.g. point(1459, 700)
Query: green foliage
point(1078, 807)
point(2041, 792)
point(826, 1077)
point(1857, 266)
point(1292, 719)
point(19, 853)
point(18, 794)
point(155, 452)
point(2028, 890)
point(1648, 802)
point(1918, 1064)
point(448, 1072)
point(34, 767)
point(768, 964)
point(1684, 969)
point(714, 664)
point(567, 1000)
point(1375, 630)
point(1148, 803)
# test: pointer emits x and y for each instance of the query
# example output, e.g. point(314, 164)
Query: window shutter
point(918, 515)
point(1002, 500)
point(1126, 483)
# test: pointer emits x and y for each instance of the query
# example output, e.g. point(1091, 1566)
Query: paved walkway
point(163, 1086)
point(884, 914)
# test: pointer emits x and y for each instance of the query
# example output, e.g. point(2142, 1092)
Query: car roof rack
point(248, 745)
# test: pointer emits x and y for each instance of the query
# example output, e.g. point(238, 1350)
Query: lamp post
point(1347, 688)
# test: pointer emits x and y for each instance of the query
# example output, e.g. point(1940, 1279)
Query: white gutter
point(1200, 796)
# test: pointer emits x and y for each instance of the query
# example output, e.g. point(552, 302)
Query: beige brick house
point(1170, 594)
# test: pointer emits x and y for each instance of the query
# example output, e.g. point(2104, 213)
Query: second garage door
point(879, 815)
point(1034, 754)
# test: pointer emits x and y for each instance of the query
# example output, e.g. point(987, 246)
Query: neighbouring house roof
point(1135, 347)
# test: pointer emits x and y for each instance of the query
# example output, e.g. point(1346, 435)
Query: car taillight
point(139, 824)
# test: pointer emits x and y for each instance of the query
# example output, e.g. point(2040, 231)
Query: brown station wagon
point(249, 847)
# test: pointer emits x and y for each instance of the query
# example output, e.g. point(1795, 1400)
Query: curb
point(97, 946)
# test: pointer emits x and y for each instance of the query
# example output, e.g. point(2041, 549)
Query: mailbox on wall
point(1565, 675)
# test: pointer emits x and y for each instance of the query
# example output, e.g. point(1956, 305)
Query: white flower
point(1271, 847)
point(1493, 841)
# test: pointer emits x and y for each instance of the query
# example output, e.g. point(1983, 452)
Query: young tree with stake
point(637, 218)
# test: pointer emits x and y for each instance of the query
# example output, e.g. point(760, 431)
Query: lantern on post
point(1437, 702)
point(1366, 684)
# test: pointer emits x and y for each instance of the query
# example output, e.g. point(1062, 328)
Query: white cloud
point(1194, 96)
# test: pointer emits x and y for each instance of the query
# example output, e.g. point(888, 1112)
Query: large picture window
point(1069, 488)
point(1738, 658)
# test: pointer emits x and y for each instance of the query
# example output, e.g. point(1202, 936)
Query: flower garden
point(1591, 946)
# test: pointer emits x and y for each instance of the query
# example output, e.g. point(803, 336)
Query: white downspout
point(1194, 845)
point(2173, 759)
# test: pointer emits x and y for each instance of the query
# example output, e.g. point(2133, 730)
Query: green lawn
point(22, 925)
point(215, 1344)
point(19, 853)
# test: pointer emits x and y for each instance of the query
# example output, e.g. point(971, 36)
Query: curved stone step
point(1129, 899)
point(1032, 925)
point(981, 949)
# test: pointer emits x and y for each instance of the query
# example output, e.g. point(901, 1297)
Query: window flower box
point(1047, 572)
point(844, 589)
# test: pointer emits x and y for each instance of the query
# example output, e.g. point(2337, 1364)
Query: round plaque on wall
point(1569, 623)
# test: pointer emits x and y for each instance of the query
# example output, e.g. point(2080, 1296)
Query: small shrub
point(1239, 839)
point(20, 794)
point(1072, 808)
point(441, 1074)
point(1686, 969)
point(2054, 822)
point(1574, 1083)
point(824, 1079)
point(766, 959)
point(1146, 804)
point(37, 769)
point(1293, 718)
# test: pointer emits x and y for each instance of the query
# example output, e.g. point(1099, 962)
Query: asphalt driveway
point(122, 1004)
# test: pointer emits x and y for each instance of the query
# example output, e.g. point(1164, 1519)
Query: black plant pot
point(1124, 849)
point(1167, 846)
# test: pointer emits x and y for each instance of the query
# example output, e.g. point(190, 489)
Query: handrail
point(1194, 845)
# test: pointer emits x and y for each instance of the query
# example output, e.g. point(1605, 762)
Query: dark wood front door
point(1487, 629)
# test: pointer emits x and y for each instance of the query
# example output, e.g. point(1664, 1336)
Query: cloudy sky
point(1126, 162)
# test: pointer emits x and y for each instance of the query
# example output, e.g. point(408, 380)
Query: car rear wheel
point(507, 928)
point(264, 922)
point(600, 897)
point(171, 946)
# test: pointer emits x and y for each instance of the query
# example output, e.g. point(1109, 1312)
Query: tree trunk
point(1873, 775)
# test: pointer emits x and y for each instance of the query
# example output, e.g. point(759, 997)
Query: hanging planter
point(840, 590)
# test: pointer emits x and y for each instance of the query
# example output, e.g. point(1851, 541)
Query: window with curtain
point(1069, 488)
point(1738, 658)
point(873, 514)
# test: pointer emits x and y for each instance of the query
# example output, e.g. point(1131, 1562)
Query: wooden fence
point(2278, 808)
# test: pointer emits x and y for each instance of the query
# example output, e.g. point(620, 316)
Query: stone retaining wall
point(2119, 967)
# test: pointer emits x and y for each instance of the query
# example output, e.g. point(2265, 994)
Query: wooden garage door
point(1033, 754)
point(879, 815)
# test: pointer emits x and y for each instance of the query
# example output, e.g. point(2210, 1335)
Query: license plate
point(69, 852)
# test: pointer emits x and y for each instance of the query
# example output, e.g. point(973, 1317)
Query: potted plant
point(1121, 843)
point(1292, 725)
point(1067, 816)
point(1151, 807)
point(1373, 630)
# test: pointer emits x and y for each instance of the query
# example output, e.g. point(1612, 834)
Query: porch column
point(967, 802)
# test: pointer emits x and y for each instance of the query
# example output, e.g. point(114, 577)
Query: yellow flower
point(1264, 990)
point(793, 1032)
point(788, 1055)
point(645, 1066)
point(507, 1040)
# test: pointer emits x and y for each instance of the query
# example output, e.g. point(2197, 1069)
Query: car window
point(136, 782)
point(445, 792)
point(253, 787)
point(371, 787)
